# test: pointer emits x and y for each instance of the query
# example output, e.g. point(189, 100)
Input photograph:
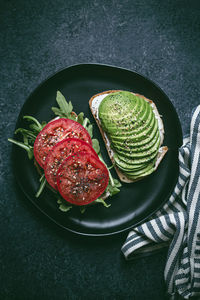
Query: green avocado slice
point(116, 105)
point(137, 169)
point(144, 125)
point(134, 177)
point(137, 143)
point(130, 161)
point(128, 168)
point(133, 122)
point(130, 153)
point(128, 145)
point(140, 139)
point(143, 170)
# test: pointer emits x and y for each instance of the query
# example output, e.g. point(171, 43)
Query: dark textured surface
point(160, 39)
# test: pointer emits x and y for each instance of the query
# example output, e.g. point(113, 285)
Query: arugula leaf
point(95, 145)
point(117, 183)
point(43, 182)
point(90, 130)
point(57, 112)
point(27, 133)
point(37, 126)
point(85, 122)
point(80, 118)
point(110, 175)
point(82, 209)
point(65, 108)
point(100, 200)
point(63, 206)
point(26, 147)
point(109, 168)
point(113, 190)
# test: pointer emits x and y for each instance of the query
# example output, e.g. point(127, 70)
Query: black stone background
point(160, 39)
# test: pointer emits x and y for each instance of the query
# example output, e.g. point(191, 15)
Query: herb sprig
point(64, 110)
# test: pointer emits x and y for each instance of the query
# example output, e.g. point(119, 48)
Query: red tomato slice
point(82, 178)
point(61, 151)
point(54, 132)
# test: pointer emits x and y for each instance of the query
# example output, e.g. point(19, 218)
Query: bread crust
point(162, 151)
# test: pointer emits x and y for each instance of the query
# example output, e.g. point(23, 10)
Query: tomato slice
point(82, 178)
point(61, 151)
point(54, 132)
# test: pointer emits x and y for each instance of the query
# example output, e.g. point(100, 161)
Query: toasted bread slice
point(94, 103)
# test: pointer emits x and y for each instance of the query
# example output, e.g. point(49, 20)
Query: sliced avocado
point(135, 161)
point(115, 105)
point(128, 168)
point(133, 122)
point(143, 170)
point(128, 145)
point(129, 152)
point(142, 138)
point(132, 128)
point(148, 137)
point(134, 177)
point(144, 128)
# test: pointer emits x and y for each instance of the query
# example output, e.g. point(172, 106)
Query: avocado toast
point(132, 130)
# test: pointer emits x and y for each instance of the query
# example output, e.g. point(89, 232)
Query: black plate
point(136, 201)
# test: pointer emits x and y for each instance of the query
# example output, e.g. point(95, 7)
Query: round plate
point(136, 201)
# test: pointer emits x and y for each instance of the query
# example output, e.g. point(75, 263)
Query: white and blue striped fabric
point(177, 224)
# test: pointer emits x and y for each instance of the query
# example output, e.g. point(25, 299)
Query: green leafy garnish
point(111, 179)
point(113, 190)
point(100, 200)
point(88, 126)
point(36, 126)
point(95, 145)
point(80, 118)
point(29, 135)
point(26, 147)
point(82, 209)
point(42, 185)
point(63, 206)
point(65, 108)
point(90, 130)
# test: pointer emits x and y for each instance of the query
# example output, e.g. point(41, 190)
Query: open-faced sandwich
point(133, 132)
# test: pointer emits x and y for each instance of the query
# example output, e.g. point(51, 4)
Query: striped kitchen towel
point(177, 224)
